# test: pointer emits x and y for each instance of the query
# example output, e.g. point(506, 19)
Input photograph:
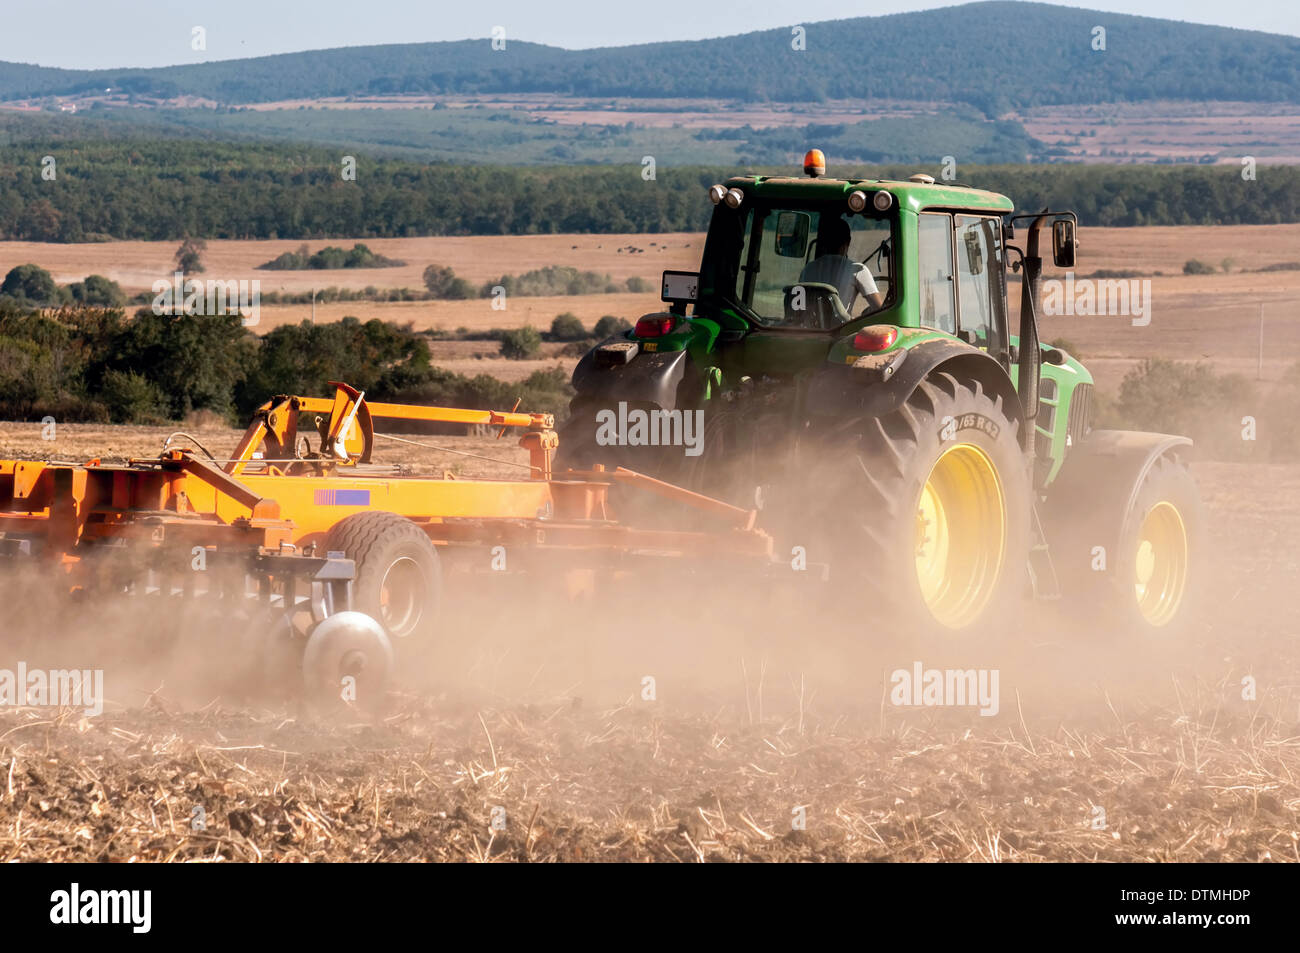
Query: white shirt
point(851, 278)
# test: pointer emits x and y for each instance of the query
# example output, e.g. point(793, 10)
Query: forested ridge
point(992, 55)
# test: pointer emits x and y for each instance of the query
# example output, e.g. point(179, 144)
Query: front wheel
point(1158, 557)
point(927, 507)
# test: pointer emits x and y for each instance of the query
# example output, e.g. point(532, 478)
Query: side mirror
point(792, 234)
point(1064, 245)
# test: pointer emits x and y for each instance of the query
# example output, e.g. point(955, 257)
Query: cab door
point(962, 278)
point(980, 283)
point(934, 253)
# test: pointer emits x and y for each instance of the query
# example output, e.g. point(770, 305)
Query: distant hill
point(485, 135)
point(995, 56)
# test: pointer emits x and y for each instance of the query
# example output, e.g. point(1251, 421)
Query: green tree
point(98, 291)
point(568, 327)
point(609, 325)
point(30, 284)
point(444, 285)
point(188, 256)
point(520, 344)
point(41, 222)
point(196, 360)
point(132, 398)
point(378, 357)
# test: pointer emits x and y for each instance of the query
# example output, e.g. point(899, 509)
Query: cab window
point(979, 281)
point(934, 253)
point(779, 246)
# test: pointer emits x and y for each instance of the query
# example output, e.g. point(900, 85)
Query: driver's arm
point(867, 288)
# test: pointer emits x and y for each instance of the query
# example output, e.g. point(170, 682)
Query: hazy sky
point(88, 34)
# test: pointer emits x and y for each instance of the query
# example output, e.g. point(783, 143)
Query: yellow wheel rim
point(961, 530)
point(1160, 569)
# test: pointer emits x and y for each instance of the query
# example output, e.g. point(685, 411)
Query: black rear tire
point(926, 509)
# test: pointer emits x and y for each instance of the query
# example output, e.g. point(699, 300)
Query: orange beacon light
point(814, 163)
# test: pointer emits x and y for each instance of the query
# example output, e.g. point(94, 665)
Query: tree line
point(99, 364)
point(156, 190)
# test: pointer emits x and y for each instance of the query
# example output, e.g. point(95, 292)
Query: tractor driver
point(834, 267)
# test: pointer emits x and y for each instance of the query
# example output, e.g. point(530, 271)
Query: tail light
point(654, 325)
point(877, 337)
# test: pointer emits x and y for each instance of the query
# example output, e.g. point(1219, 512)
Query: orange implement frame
point(277, 495)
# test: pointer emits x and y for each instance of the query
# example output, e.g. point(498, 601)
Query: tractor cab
point(845, 292)
point(799, 271)
point(798, 254)
point(919, 255)
point(800, 263)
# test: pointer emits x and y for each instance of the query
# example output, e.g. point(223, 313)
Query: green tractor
point(847, 366)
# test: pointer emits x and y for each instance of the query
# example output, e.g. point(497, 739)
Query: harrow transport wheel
point(928, 514)
point(398, 577)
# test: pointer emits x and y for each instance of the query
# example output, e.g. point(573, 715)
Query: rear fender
point(650, 378)
point(876, 385)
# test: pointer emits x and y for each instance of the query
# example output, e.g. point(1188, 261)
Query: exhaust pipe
point(1031, 358)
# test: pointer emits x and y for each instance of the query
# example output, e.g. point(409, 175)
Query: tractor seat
point(822, 308)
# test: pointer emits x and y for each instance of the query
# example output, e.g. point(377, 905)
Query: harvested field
point(761, 717)
point(475, 315)
point(1169, 131)
point(651, 113)
point(137, 265)
point(527, 734)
